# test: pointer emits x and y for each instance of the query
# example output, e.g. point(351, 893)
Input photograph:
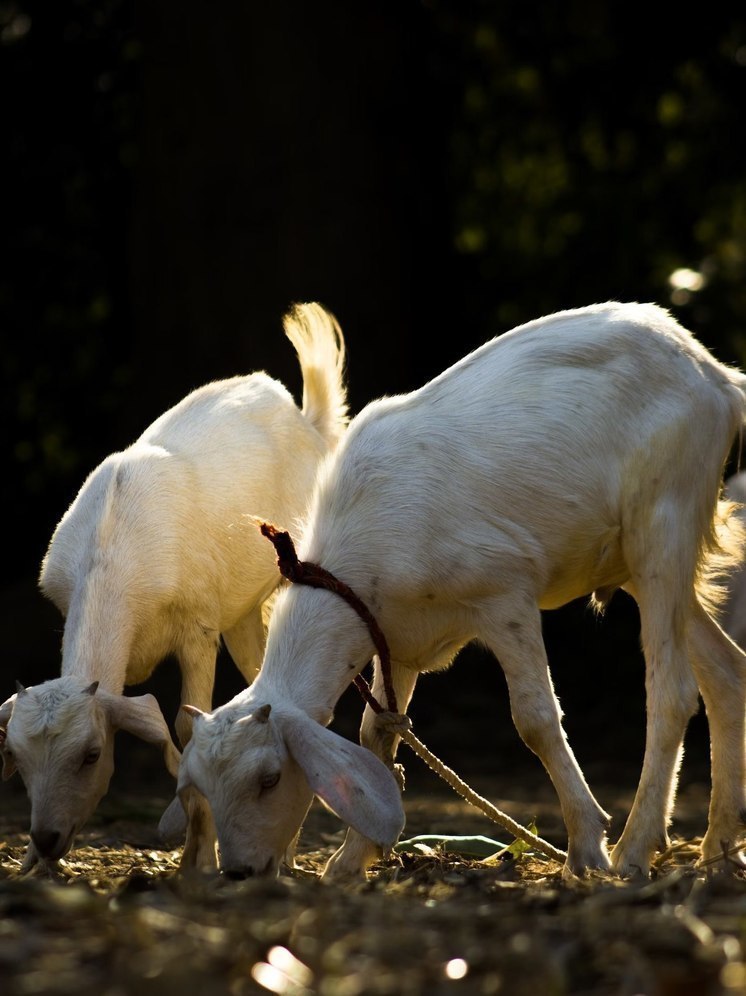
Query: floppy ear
point(9, 765)
point(141, 715)
point(348, 778)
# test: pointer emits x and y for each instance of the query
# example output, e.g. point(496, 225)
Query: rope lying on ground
point(465, 791)
point(303, 572)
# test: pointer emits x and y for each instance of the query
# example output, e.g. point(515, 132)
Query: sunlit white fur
point(574, 455)
point(159, 555)
point(734, 608)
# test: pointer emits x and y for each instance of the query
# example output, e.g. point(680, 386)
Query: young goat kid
point(431, 511)
point(158, 555)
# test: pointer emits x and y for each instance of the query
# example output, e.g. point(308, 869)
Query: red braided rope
point(304, 572)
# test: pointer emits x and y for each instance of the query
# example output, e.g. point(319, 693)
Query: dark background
point(175, 175)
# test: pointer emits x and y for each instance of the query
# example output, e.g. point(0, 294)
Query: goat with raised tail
point(158, 555)
point(574, 455)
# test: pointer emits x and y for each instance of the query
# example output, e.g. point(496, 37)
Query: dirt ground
point(121, 919)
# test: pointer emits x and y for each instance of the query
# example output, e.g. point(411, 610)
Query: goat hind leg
point(720, 667)
point(671, 693)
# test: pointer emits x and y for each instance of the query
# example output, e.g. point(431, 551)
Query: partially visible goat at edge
point(158, 555)
point(734, 607)
point(574, 455)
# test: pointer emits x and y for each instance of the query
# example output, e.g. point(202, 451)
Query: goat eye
point(269, 781)
point(92, 756)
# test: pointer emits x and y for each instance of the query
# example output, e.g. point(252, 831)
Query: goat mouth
point(51, 845)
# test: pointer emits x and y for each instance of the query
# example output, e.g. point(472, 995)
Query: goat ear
point(91, 690)
point(141, 715)
point(262, 713)
point(348, 778)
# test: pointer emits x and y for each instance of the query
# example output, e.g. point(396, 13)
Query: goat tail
point(722, 556)
point(724, 548)
point(320, 345)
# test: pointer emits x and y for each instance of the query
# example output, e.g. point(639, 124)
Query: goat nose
point(45, 841)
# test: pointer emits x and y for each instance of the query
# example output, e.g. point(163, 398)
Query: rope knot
point(306, 572)
point(393, 722)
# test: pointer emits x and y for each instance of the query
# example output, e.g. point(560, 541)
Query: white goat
point(432, 512)
point(157, 555)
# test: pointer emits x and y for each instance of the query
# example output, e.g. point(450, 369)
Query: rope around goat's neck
point(303, 572)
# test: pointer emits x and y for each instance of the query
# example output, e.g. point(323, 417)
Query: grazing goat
point(158, 555)
point(432, 512)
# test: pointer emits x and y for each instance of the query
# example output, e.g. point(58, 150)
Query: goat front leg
point(512, 630)
point(200, 847)
point(198, 676)
point(357, 853)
